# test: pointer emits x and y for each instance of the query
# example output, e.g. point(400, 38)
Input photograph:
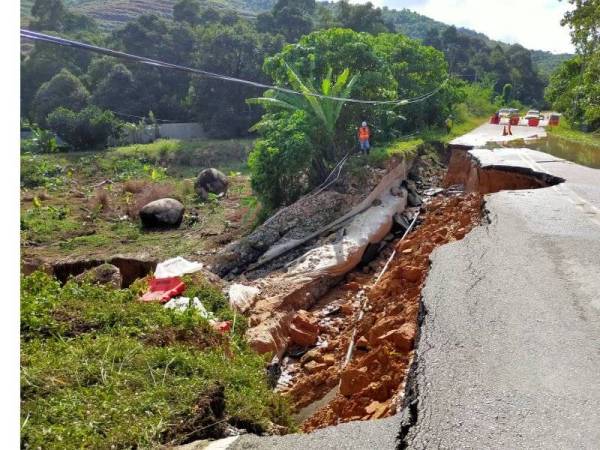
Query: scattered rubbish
point(222, 326)
point(183, 303)
point(163, 289)
point(432, 192)
point(241, 297)
point(176, 267)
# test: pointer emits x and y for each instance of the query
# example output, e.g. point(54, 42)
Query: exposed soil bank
point(464, 170)
point(370, 384)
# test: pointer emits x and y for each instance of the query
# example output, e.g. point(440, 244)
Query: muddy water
point(580, 153)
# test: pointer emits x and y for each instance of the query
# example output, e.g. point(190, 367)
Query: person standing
point(364, 134)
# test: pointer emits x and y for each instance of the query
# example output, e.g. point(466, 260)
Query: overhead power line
point(156, 63)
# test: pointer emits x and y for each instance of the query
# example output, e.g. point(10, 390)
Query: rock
point(211, 181)
point(414, 199)
point(362, 343)
point(314, 366)
point(377, 410)
point(103, 274)
point(304, 329)
point(162, 213)
point(381, 327)
point(347, 308)
point(329, 359)
point(353, 381)
point(403, 338)
point(312, 355)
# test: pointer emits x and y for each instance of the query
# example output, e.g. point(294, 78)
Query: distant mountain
point(416, 26)
point(113, 13)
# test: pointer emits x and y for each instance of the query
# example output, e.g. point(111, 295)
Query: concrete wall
point(181, 130)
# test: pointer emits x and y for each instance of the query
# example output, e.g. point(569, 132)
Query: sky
point(535, 24)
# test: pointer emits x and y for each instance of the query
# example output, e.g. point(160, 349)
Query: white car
point(532, 114)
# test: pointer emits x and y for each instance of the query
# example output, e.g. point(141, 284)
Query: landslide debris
point(370, 387)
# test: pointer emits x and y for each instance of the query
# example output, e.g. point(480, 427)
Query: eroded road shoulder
point(509, 353)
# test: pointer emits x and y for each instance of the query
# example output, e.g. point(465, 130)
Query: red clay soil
point(463, 169)
point(371, 383)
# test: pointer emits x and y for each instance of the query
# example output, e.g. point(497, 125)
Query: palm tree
point(326, 111)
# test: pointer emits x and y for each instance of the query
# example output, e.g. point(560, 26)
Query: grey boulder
point(162, 213)
point(211, 181)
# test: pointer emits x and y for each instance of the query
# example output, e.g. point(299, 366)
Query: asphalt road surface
point(509, 353)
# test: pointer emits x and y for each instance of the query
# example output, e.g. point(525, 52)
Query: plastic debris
point(183, 303)
point(241, 297)
point(164, 289)
point(176, 267)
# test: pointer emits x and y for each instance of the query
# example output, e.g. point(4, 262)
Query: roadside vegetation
point(102, 370)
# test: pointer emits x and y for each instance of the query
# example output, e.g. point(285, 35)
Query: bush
point(84, 130)
point(281, 159)
point(37, 171)
point(63, 90)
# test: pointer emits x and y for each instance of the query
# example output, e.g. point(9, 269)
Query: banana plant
point(311, 100)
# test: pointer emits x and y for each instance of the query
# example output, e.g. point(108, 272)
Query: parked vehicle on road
point(533, 114)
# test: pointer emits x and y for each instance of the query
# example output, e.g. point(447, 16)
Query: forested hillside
point(114, 13)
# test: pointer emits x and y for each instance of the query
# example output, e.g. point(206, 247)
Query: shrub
point(63, 90)
point(87, 129)
point(38, 171)
point(281, 159)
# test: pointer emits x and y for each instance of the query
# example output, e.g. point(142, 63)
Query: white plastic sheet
point(241, 297)
point(175, 267)
point(183, 303)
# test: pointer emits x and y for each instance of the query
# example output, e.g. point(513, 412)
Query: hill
point(113, 13)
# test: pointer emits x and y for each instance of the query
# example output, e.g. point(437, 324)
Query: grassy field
point(101, 370)
point(86, 204)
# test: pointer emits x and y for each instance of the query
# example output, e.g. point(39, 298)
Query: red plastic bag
point(163, 289)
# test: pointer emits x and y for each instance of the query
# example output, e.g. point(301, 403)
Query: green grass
point(407, 147)
point(565, 131)
point(97, 369)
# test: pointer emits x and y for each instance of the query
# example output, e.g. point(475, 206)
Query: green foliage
point(291, 18)
point(237, 50)
point(38, 171)
point(574, 88)
point(63, 90)
point(41, 141)
point(87, 129)
point(43, 224)
point(99, 369)
point(281, 159)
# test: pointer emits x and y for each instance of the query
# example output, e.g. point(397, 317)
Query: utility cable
point(156, 63)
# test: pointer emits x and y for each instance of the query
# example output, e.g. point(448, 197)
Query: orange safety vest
point(364, 133)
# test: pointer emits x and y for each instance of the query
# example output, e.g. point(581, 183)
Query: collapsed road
point(508, 350)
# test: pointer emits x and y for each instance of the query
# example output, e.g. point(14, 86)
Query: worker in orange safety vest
point(364, 134)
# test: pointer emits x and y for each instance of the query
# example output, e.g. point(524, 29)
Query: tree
point(87, 129)
point(506, 93)
point(236, 51)
point(281, 159)
point(48, 15)
point(584, 21)
point(322, 113)
point(187, 11)
point(64, 89)
point(364, 18)
point(117, 91)
point(291, 18)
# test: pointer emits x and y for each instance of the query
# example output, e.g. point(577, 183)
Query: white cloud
point(535, 24)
